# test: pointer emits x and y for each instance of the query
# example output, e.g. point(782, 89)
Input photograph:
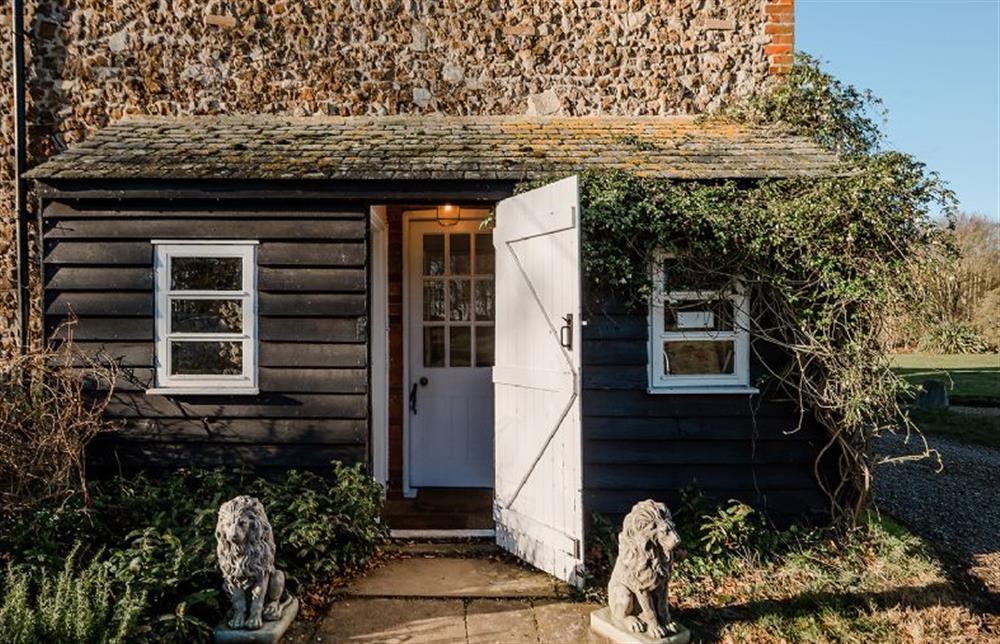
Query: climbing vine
point(824, 260)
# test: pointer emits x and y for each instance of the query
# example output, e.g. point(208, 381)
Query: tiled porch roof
point(420, 147)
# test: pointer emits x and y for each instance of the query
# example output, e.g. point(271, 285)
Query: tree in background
point(958, 310)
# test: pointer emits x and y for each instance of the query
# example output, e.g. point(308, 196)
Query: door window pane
point(206, 273)
point(484, 299)
point(206, 358)
point(460, 307)
point(459, 254)
point(704, 315)
point(433, 346)
point(433, 254)
point(698, 358)
point(434, 300)
point(484, 254)
point(206, 316)
point(484, 346)
point(461, 346)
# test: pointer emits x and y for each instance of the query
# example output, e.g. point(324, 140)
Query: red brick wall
point(780, 28)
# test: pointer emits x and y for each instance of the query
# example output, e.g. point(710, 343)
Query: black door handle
point(566, 332)
point(413, 394)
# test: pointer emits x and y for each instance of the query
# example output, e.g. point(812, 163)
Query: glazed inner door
point(451, 291)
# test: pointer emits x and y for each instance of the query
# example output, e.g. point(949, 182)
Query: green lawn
point(967, 428)
point(969, 377)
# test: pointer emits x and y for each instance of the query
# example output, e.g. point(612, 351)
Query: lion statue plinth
point(637, 592)
point(245, 549)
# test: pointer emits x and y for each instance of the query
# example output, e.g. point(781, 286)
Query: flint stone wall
point(93, 61)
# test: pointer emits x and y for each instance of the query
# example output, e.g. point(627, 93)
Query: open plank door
point(538, 506)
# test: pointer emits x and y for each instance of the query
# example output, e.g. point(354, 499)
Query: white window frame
point(246, 381)
point(659, 382)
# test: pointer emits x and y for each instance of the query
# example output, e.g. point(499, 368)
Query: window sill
point(203, 391)
point(705, 389)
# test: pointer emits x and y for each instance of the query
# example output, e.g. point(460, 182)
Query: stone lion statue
point(245, 549)
point(637, 592)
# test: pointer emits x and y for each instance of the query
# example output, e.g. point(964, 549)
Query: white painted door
point(450, 396)
point(538, 505)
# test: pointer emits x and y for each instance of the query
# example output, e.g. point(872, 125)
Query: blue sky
point(936, 64)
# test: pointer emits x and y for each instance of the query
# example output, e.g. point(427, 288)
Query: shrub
point(987, 318)
point(75, 607)
point(49, 411)
point(952, 337)
point(322, 526)
point(958, 294)
point(156, 535)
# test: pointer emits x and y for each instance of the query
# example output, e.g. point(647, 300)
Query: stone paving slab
point(436, 621)
point(565, 622)
point(393, 621)
point(450, 577)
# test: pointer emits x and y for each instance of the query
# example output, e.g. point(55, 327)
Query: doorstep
point(424, 599)
point(456, 577)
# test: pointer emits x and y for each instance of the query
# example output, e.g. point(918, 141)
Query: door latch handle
point(413, 394)
point(566, 332)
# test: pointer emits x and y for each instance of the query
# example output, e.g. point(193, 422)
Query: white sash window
point(206, 317)
point(699, 340)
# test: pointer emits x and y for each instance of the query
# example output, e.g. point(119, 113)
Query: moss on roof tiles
point(400, 147)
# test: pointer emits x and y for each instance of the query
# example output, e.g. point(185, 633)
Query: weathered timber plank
point(617, 327)
point(311, 254)
point(246, 430)
point(312, 329)
point(100, 328)
point(122, 228)
point(788, 501)
point(312, 304)
point(616, 377)
point(342, 280)
point(128, 354)
point(639, 404)
point(122, 253)
point(264, 405)
point(281, 354)
point(64, 209)
point(615, 352)
point(692, 452)
point(289, 380)
point(707, 477)
point(158, 454)
point(298, 379)
point(105, 304)
point(92, 278)
point(776, 428)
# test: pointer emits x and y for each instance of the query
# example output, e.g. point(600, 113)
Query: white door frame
point(379, 338)
point(417, 214)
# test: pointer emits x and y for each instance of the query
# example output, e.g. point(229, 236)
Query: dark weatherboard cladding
point(638, 445)
point(313, 351)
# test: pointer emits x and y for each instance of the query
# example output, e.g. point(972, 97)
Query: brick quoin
point(780, 30)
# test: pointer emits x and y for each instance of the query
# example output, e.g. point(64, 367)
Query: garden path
point(421, 597)
point(958, 507)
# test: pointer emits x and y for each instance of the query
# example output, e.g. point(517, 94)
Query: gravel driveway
point(958, 508)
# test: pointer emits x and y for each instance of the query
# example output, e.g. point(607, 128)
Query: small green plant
point(730, 529)
point(953, 337)
point(75, 607)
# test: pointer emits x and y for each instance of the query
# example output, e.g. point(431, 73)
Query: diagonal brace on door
point(508, 244)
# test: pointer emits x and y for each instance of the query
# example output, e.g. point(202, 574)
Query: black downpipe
point(20, 185)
